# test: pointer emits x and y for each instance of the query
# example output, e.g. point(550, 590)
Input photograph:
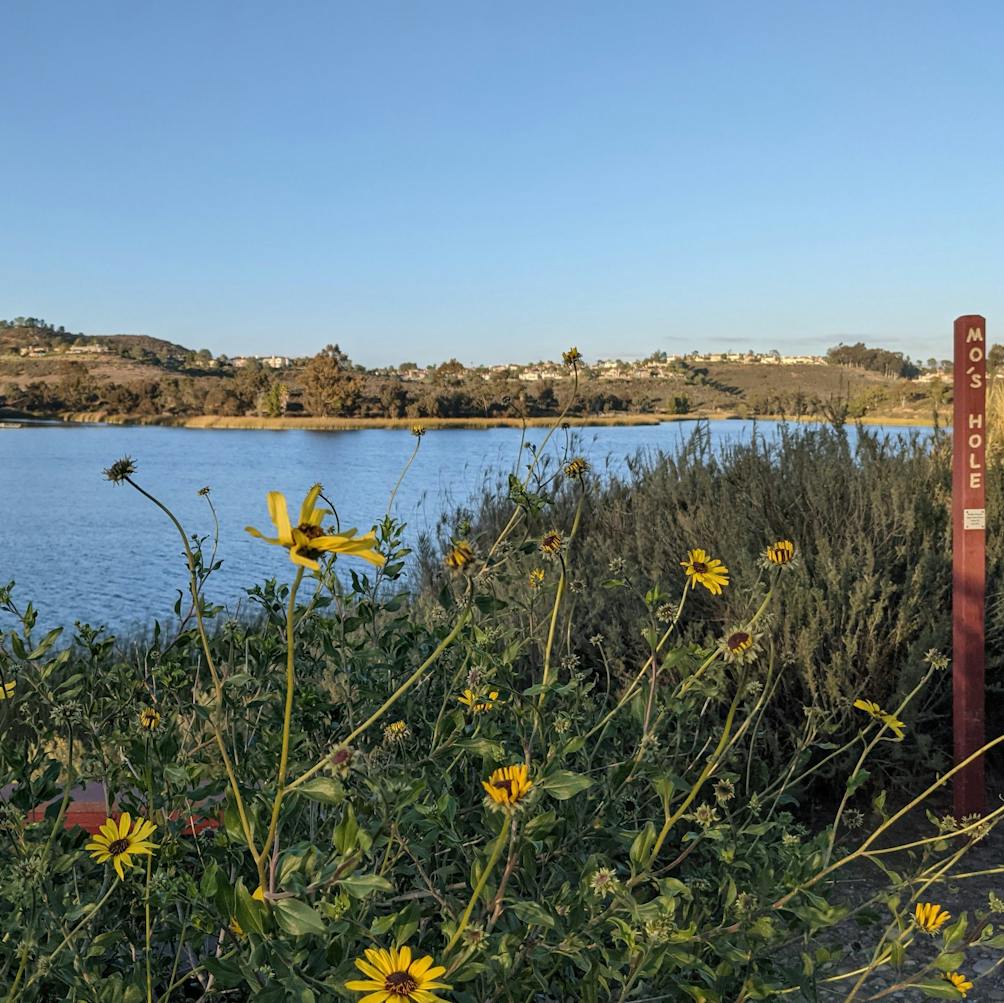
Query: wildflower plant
point(367, 793)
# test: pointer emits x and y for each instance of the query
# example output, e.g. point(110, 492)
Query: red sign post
point(969, 521)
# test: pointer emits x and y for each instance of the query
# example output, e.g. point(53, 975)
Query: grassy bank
point(250, 422)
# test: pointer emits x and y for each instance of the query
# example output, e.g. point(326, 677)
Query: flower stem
point(217, 684)
point(388, 703)
point(69, 937)
point(287, 720)
point(400, 480)
point(481, 882)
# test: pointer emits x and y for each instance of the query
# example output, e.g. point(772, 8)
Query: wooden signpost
point(969, 521)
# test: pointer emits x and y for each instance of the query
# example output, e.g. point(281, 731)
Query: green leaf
point(209, 880)
point(346, 833)
point(232, 823)
point(297, 917)
point(361, 885)
point(483, 747)
point(641, 848)
point(562, 784)
point(949, 961)
point(938, 989)
point(532, 913)
point(45, 644)
point(249, 913)
point(857, 780)
point(178, 776)
point(226, 973)
point(327, 790)
point(954, 934)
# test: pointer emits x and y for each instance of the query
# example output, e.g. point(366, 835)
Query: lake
point(81, 548)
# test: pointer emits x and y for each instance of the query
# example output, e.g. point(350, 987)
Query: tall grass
point(871, 519)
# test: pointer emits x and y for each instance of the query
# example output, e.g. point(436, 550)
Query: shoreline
point(252, 423)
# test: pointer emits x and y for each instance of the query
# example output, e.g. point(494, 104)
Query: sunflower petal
point(307, 508)
point(279, 515)
point(363, 986)
point(367, 969)
point(380, 959)
point(420, 966)
point(261, 536)
point(305, 562)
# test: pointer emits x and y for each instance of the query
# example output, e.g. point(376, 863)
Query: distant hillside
point(48, 371)
point(31, 332)
point(156, 346)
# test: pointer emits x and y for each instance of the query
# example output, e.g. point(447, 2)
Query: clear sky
point(497, 181)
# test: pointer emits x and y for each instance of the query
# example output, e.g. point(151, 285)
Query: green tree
point(329, 385)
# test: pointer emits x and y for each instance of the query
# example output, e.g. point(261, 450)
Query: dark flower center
point(310, 532)
point(738, 641)
point(400, 983)
point(118, 847)
point(503, 785)
point(700, 567)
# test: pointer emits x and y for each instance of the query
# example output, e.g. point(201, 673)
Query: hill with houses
point(48, 371)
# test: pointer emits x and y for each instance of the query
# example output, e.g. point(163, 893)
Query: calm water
point(83, 549)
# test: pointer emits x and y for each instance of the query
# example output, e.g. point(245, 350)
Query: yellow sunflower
point(895, 725)
point(869, 707)
point(701, 569)
point(508, 785)
point(393, 977)
point(930, 917)
point(740, 646)
point(307, 541)
point(892, 722)
point(958, 981)
point(550, 543)
point(149, 719)
point(477, 704)
point(536, 578)
point(396, 731)
point(459, 556)
point(780, 553)
point(576, 467)
point(118, 841)
point(7, 690)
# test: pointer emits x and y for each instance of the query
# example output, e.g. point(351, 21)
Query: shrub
point(398, 800)
point(871, 593)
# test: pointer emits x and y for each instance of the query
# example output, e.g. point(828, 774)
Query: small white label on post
point(974, 518)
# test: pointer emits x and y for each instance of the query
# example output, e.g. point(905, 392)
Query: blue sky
point(498, 181)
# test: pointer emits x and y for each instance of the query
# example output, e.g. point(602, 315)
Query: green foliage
point(870, 593)
point(660, 852)
point(880, 360)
